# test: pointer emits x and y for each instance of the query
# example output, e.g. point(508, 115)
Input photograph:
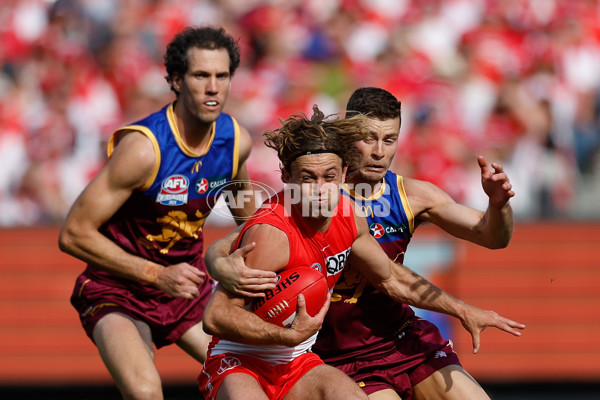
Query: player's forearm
point(94, 248)
point(498, 226)
point(245, 327)
point(408, 287)
point(234, 323)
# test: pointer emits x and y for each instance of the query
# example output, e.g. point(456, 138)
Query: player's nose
point(212, 86)
point(377, 151)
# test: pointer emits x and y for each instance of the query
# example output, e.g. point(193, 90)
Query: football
point(279, 305)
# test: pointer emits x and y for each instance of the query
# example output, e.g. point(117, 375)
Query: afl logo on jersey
point(376, 230)
point(202, 186)
point(174, 191)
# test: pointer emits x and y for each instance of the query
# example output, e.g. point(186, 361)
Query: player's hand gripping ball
point(279, 305)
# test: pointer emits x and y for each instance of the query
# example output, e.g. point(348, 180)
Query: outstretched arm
point(406, 286)
point(424, 294)
point(492, 228)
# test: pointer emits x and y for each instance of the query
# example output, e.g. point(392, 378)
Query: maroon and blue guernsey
point(362, 323)
point(163, 222)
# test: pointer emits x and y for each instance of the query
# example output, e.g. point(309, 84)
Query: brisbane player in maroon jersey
point(139, 224)
point(389, 351)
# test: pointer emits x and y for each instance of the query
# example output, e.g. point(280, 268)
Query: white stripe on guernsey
point(274, 354)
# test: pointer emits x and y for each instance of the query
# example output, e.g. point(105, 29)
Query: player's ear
point(177, 82)
point(344, 171)
point(285, 175)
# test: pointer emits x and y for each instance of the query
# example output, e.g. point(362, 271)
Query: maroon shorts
point(168, 317)
point(275, 380)
point(420, 351)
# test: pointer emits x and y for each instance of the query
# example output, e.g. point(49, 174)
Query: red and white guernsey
point(325, 251)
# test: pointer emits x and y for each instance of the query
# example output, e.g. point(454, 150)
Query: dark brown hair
point(206, 37)
point(374, 103)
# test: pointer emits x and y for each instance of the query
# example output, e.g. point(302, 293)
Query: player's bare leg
point(240, 386)
point(126, 348)
point(385, 394)
point(325, 382)
point(449, 383)
point(195, 342)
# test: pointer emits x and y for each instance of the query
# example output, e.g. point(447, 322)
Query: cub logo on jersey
point(376, 230)
point(174, 191)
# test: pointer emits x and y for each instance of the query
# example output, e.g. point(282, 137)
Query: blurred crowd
point(515, 80)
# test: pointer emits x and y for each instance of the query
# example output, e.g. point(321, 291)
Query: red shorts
point(420, 351)
point(168, 317)
point(276, 380)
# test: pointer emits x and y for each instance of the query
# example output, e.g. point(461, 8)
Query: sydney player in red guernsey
point(308, 223)
point(138, 225)
point(366, 331)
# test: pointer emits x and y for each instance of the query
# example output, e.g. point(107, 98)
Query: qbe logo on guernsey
point(335, 263)
point(174, 191)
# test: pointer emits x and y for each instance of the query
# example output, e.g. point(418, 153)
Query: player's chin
point(208, 117)
point(373, 174)
point(327, 209)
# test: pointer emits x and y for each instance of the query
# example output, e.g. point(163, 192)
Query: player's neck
point(194, 133)
point(318, 224)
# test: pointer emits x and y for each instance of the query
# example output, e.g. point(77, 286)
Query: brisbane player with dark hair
point(380, 343)
point(139, 223)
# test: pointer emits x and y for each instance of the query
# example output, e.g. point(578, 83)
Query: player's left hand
point(477, 320)
point(495, 182)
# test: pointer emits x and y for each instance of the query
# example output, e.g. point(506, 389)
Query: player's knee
point(149, 389)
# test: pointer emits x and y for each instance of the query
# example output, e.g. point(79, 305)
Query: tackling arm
point(231, 270)
point(406, 286)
